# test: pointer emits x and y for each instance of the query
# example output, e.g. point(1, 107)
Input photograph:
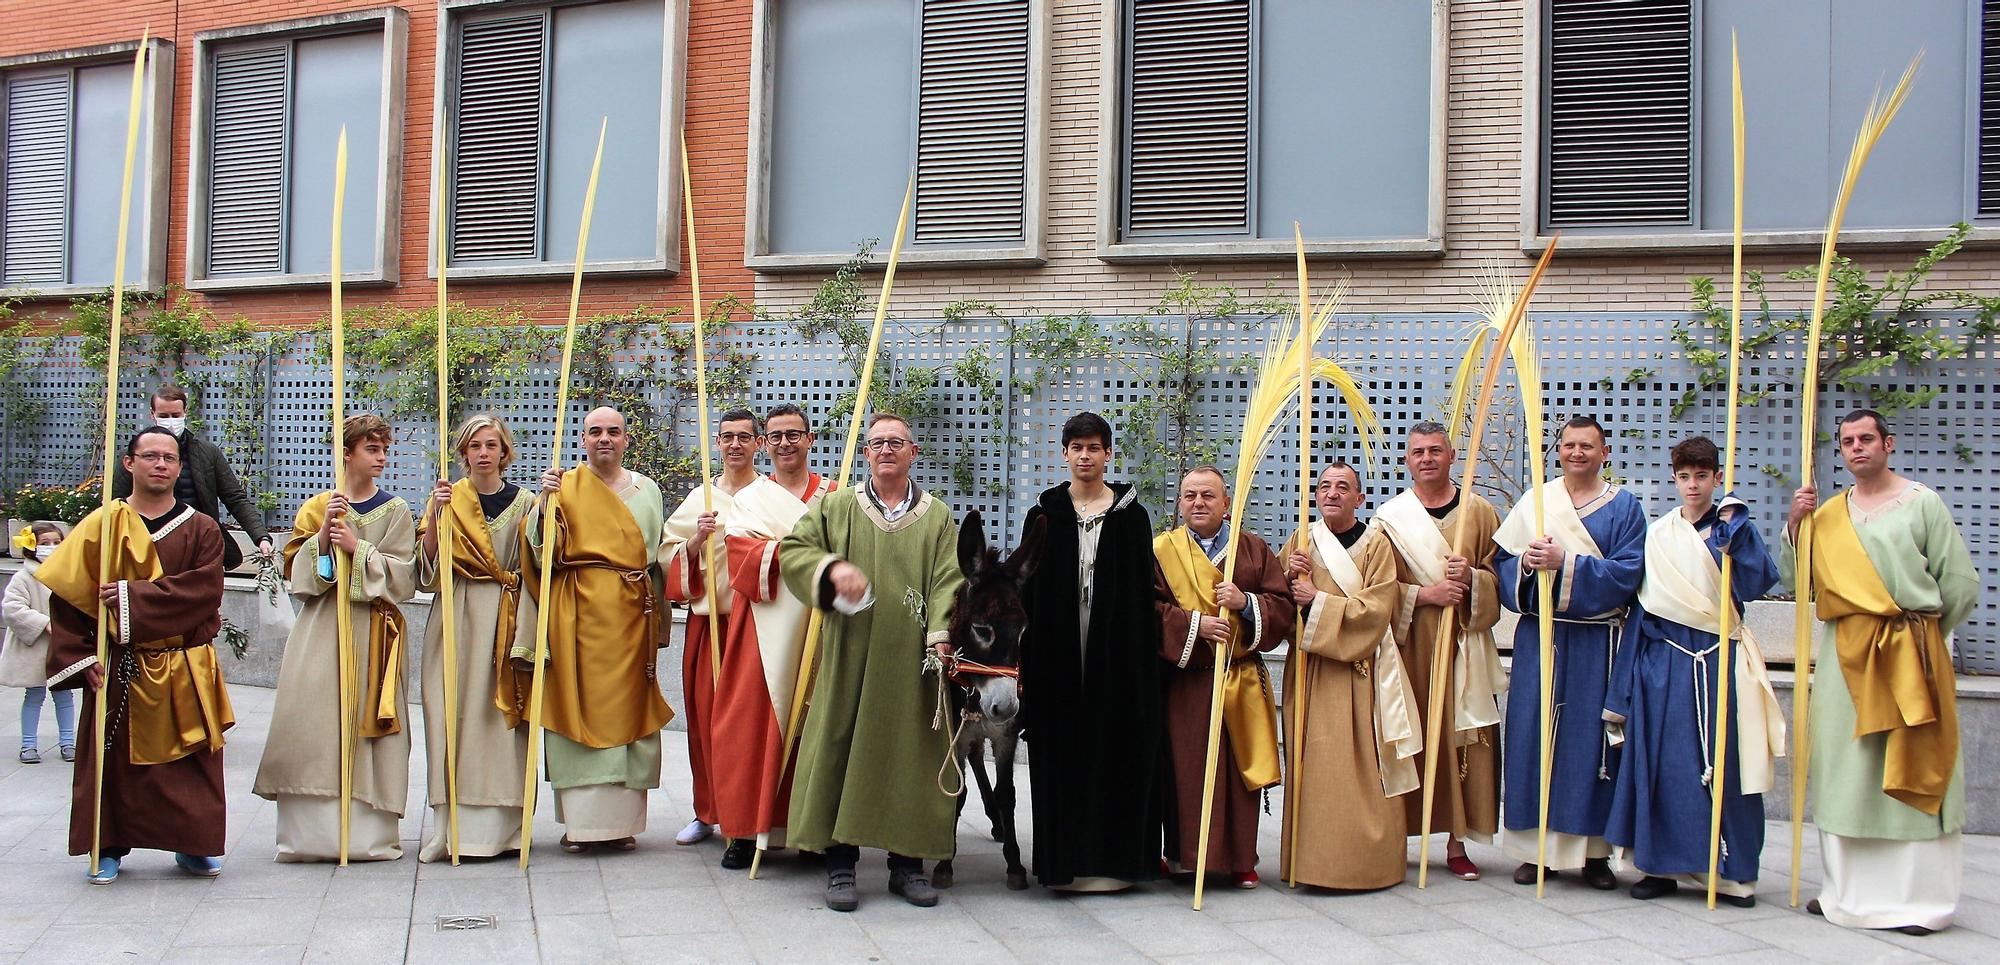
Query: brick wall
point(1482, 211)
point(1482, 207)
point(717, 111)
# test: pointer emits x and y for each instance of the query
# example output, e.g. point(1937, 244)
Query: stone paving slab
point(671, 904)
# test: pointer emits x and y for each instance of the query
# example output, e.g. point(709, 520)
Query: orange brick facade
point(717, 105)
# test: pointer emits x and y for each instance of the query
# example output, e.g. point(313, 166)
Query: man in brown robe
point(163, 762)
point(1361, 728)
point(1188, 588)
point(1436, 572)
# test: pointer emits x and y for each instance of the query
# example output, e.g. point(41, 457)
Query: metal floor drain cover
point(466, 922)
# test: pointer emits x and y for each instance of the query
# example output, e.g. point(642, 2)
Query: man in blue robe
point(1594, 550)
point(1663, 691)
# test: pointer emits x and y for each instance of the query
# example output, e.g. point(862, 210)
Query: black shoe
point(1812, 907)
point(737, 856)
point(1525, 874)
point(1597, 874)
point(1917, 930)
point(1740, 901)
point(914, 886)
point(840, 893)
point(1651, 887)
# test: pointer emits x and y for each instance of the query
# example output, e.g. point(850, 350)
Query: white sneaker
point(695, 833)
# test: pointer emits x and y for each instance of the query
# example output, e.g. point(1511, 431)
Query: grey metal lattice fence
point(997, 457)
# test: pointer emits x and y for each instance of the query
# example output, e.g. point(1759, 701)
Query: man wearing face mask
point(206, 482)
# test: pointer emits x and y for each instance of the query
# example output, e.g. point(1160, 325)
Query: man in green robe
point(881, 563)
point(1891, 578)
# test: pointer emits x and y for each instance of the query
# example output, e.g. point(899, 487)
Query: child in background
point(24, 656)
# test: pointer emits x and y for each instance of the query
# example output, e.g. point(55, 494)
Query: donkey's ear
point(971, 543)
point(1022, 562)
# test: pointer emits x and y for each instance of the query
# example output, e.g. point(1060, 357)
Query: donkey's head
point(988, 618)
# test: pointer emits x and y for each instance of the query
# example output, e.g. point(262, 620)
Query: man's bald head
point(605, 441)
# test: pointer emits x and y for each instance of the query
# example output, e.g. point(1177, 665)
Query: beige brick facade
point(1482, 211)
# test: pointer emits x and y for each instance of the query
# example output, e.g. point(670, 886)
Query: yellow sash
point(1896, 664)
point(177, 702)
point(386, 628)
point(473, 558)
point(601, 686)
point(1249, 714)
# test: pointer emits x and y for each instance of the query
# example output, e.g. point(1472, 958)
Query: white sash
point(1478, 680)
point(1565, 526)
point(1683, 584)
point(1397, 737)
point(679, 529)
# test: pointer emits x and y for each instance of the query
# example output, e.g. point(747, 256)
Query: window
point(1634, 140)
point(860, 94)
point(61, 157)
point(527, 88)
point(270, 103)
point(1222, 128)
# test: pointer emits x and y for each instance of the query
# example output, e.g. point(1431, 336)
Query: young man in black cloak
point(1090, 677)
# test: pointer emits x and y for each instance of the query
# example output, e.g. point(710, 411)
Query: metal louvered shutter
point(1989, 108)
point(972, 121)
point(497, 157)
point(1620, 113)
point(1187, 117)
point(34, 210)
point(246, 166)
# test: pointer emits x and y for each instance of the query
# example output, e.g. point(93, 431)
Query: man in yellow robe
point(601, 700)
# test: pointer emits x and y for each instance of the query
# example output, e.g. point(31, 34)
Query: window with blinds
point(1619, 113)
point(270, 119)
point(1989, 109)
point(35, 193)
point(1187, 117)
point(527, 91)
point(972, 121)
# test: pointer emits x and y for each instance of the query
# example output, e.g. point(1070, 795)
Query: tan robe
point(1351, 833)
point(301, 765)
point(1467, 800)
point(489, 616)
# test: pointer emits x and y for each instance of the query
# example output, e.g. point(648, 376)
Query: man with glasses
point(163, 763)
point(788, 437)
point(882, 562)
point(736, 715)
point(205, 482)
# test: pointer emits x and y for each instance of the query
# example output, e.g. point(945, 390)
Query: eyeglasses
point(165, 458)
point(730, 438)
point(887, 445)
point(787, 436)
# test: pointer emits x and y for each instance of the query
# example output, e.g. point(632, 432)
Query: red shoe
point(1246, 880)
point(1462, 867)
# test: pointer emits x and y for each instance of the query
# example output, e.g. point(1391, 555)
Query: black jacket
point(1094, 715)
point(215, 485)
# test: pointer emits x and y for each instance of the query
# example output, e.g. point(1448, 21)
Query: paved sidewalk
point(670, 904)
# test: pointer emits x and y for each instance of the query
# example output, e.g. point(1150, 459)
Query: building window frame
point(393, 22)
point(157, 158)
point(666, 259)
point(1535, 237)
point(757, 253)
point(1111, 167)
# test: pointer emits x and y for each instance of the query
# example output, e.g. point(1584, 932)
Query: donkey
point(987, 621)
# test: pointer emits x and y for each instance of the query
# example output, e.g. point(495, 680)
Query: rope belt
point(1614, 626)
point(1703, 717)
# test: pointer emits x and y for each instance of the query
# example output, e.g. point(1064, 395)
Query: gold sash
point(1249, 715)
point(177, 702)
point(1896, 664)
point(386, 630)
point(601, 686)
point(473, 558)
